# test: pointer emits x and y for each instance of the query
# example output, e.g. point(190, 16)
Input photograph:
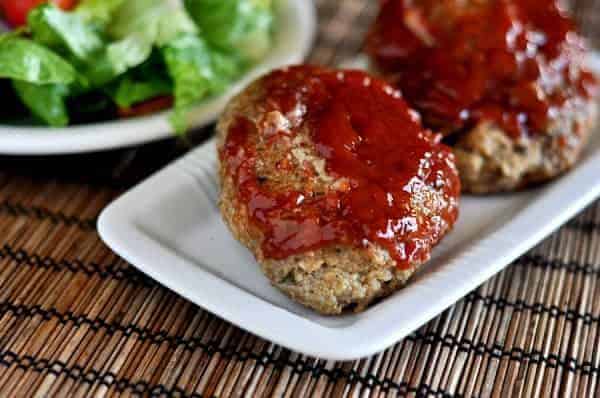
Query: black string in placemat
point(269, 359)
point(40, 213)
point(146, 334)
point(535, 308)
point(586, 226)
point(79, 374)
point(499, 352)
point(114, 270)
point(301, 367)
point(538, 261)
point(109, 379)
point(211, 348)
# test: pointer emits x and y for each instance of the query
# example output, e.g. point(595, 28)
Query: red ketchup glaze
point(514, 62)
point(369, 138)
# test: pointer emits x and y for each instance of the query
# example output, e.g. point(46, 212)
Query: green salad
point(117, 58)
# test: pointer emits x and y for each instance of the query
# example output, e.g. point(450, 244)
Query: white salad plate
point(170, 228)
point(295, 30)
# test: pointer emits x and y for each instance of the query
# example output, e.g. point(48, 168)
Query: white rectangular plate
point(170, 228)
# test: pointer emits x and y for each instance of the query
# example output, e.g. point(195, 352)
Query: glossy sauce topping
point(517, 63)
point(393, 184)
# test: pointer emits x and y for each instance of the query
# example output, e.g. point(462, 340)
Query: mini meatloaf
point(504, 80)
point(332, 183)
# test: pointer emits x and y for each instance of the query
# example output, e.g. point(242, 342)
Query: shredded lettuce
point(101, 11)
point(240, 26)
point(69, 66)
point(189, 64)
point(45, 101)
point(143, 83)
point(197, 72)
point(128, 52)
point(24, 60)
point(226, 68)
point(116, 59)
point(157, 20)
point(130, 92)
point(55, 28)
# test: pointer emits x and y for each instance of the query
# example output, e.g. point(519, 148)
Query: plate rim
point(113, 134)
point(249, 312)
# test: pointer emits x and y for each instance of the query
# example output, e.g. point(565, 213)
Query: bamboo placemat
point(75, 320)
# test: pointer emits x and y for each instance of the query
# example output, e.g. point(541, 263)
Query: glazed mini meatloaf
point(503, 79)
point(332, 183)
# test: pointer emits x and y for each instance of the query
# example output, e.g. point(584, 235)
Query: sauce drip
point(517, 63)
point(391, 169)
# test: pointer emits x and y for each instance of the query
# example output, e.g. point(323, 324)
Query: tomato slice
point(147, 108)
point(15, 11)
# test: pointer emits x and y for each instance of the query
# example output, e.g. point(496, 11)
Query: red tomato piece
point(148, 107)
point(15, 11)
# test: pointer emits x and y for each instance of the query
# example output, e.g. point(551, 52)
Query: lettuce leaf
point(130, 92)
point(189, 64)
point(98, 61)
point(227, 67)
point(99, 10)
point(157, 20)
point(56, 29)
point(239, 26)
point(141, 84)
point(24, 60)
point(110, 53)
point(45, 101)
point(128, 52)
point(197, 71)
point(117, 58)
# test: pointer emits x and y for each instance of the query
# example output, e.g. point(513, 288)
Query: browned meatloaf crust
point(330, 279)
point(490, 158)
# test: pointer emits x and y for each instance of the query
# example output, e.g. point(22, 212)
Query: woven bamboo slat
point(75, 320)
